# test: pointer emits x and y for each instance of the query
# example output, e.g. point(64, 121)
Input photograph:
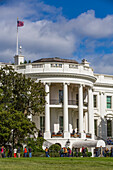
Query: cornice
point(103, 84)
point(68, 75)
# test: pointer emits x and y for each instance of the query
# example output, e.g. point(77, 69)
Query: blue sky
point(73, 29)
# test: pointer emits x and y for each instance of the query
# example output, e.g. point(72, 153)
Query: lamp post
point(67, 143)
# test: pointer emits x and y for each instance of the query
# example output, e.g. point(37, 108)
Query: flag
point(20, 23)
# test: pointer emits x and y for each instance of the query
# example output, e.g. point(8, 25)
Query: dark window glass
point(109, 127)
point(109, 102)
point(42, 123)
point(60, 96)
point(95, 126)
point(95, 101)
point(61, 123)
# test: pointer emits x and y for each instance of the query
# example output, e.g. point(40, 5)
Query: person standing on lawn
point(25, 152)
point(47, 151)
point(18, 152)
point(30, 154)
point(15, 153)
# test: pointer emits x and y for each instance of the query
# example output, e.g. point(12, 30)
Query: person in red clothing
point(83, 151)
point(25, 152)
point(15, 153)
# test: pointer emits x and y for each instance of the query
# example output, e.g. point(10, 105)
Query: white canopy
point(88, 143)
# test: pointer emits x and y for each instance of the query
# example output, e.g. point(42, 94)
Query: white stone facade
point(77, 99)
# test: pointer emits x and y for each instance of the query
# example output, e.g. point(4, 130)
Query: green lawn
point(56, 163)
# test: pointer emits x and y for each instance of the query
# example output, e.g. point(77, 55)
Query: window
point(109, 127)
point(109, 102)
point(60, 96)
point(37, 65)
point(61, 123)
point(95, 126)
point(95, 101)
point(42, 123)
point(77, 99)
point(56, 65)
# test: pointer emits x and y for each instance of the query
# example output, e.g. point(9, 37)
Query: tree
point(14, 127)
point(19, 97)
point(21, 93)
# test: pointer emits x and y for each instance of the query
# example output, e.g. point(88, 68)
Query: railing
point(73, 102)
point(21, 67)
point(56, 65)
point(75, 135)
point(70, 102)
point(88, 135)
point(73, 66)
point(37, 65)
point(54, 101)
point(57, 135)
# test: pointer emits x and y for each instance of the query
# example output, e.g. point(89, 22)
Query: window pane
point(60, 96)
point(42, 123)
point(109, 132)
point(95, 100)
point(109, 102)
point(95, 124)
point(61, 123)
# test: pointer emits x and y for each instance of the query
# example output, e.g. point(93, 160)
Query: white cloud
point(51, 34)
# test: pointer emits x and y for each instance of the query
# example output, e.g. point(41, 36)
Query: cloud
point(47, 33)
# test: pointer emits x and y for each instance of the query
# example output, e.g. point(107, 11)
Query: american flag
point(20, 23)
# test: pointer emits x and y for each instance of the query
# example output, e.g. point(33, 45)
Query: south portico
point(84, 115)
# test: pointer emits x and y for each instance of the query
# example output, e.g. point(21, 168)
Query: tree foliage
point(19, 97)
point(21, 93)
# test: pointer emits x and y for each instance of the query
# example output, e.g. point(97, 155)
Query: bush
point(79, 154)
point(54, 148)
point(38, 154)
point(35, 144)
point(54, 154)
point(89, 154)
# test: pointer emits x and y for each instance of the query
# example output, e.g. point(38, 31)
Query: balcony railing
point(88, 135)
point(54, 101)
point(72, 102)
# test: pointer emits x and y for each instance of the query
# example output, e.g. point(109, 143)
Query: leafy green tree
point(21, 93)
point(19, 97)
point(14, 127)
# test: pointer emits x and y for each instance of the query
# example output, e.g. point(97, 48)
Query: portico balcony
point(75, 135)
point(55, 102)
point(73, 102)
point(70, 102)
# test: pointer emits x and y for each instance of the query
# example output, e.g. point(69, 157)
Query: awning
point(88, 143)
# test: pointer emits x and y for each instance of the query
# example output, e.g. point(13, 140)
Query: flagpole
point(17, 38)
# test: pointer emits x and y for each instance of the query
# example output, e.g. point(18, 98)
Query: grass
point(37, 163)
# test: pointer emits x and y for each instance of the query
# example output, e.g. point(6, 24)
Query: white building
point(77, 99)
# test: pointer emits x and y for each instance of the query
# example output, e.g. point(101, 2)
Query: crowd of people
point(16, 152)
point(67, 152)
point(104, 152)
point(109, 141)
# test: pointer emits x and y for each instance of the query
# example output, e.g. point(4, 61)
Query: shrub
point(38, 154)
point(54, 147)
point(79, 154)
point(89, 154)
point(35, 144)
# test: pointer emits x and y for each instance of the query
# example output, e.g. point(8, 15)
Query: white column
point(86, 122)
point(90, 111)
point(80, 106)
point(66, 123)
point(47, 133)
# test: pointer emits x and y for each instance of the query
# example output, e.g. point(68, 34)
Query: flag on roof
point(20, 23)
